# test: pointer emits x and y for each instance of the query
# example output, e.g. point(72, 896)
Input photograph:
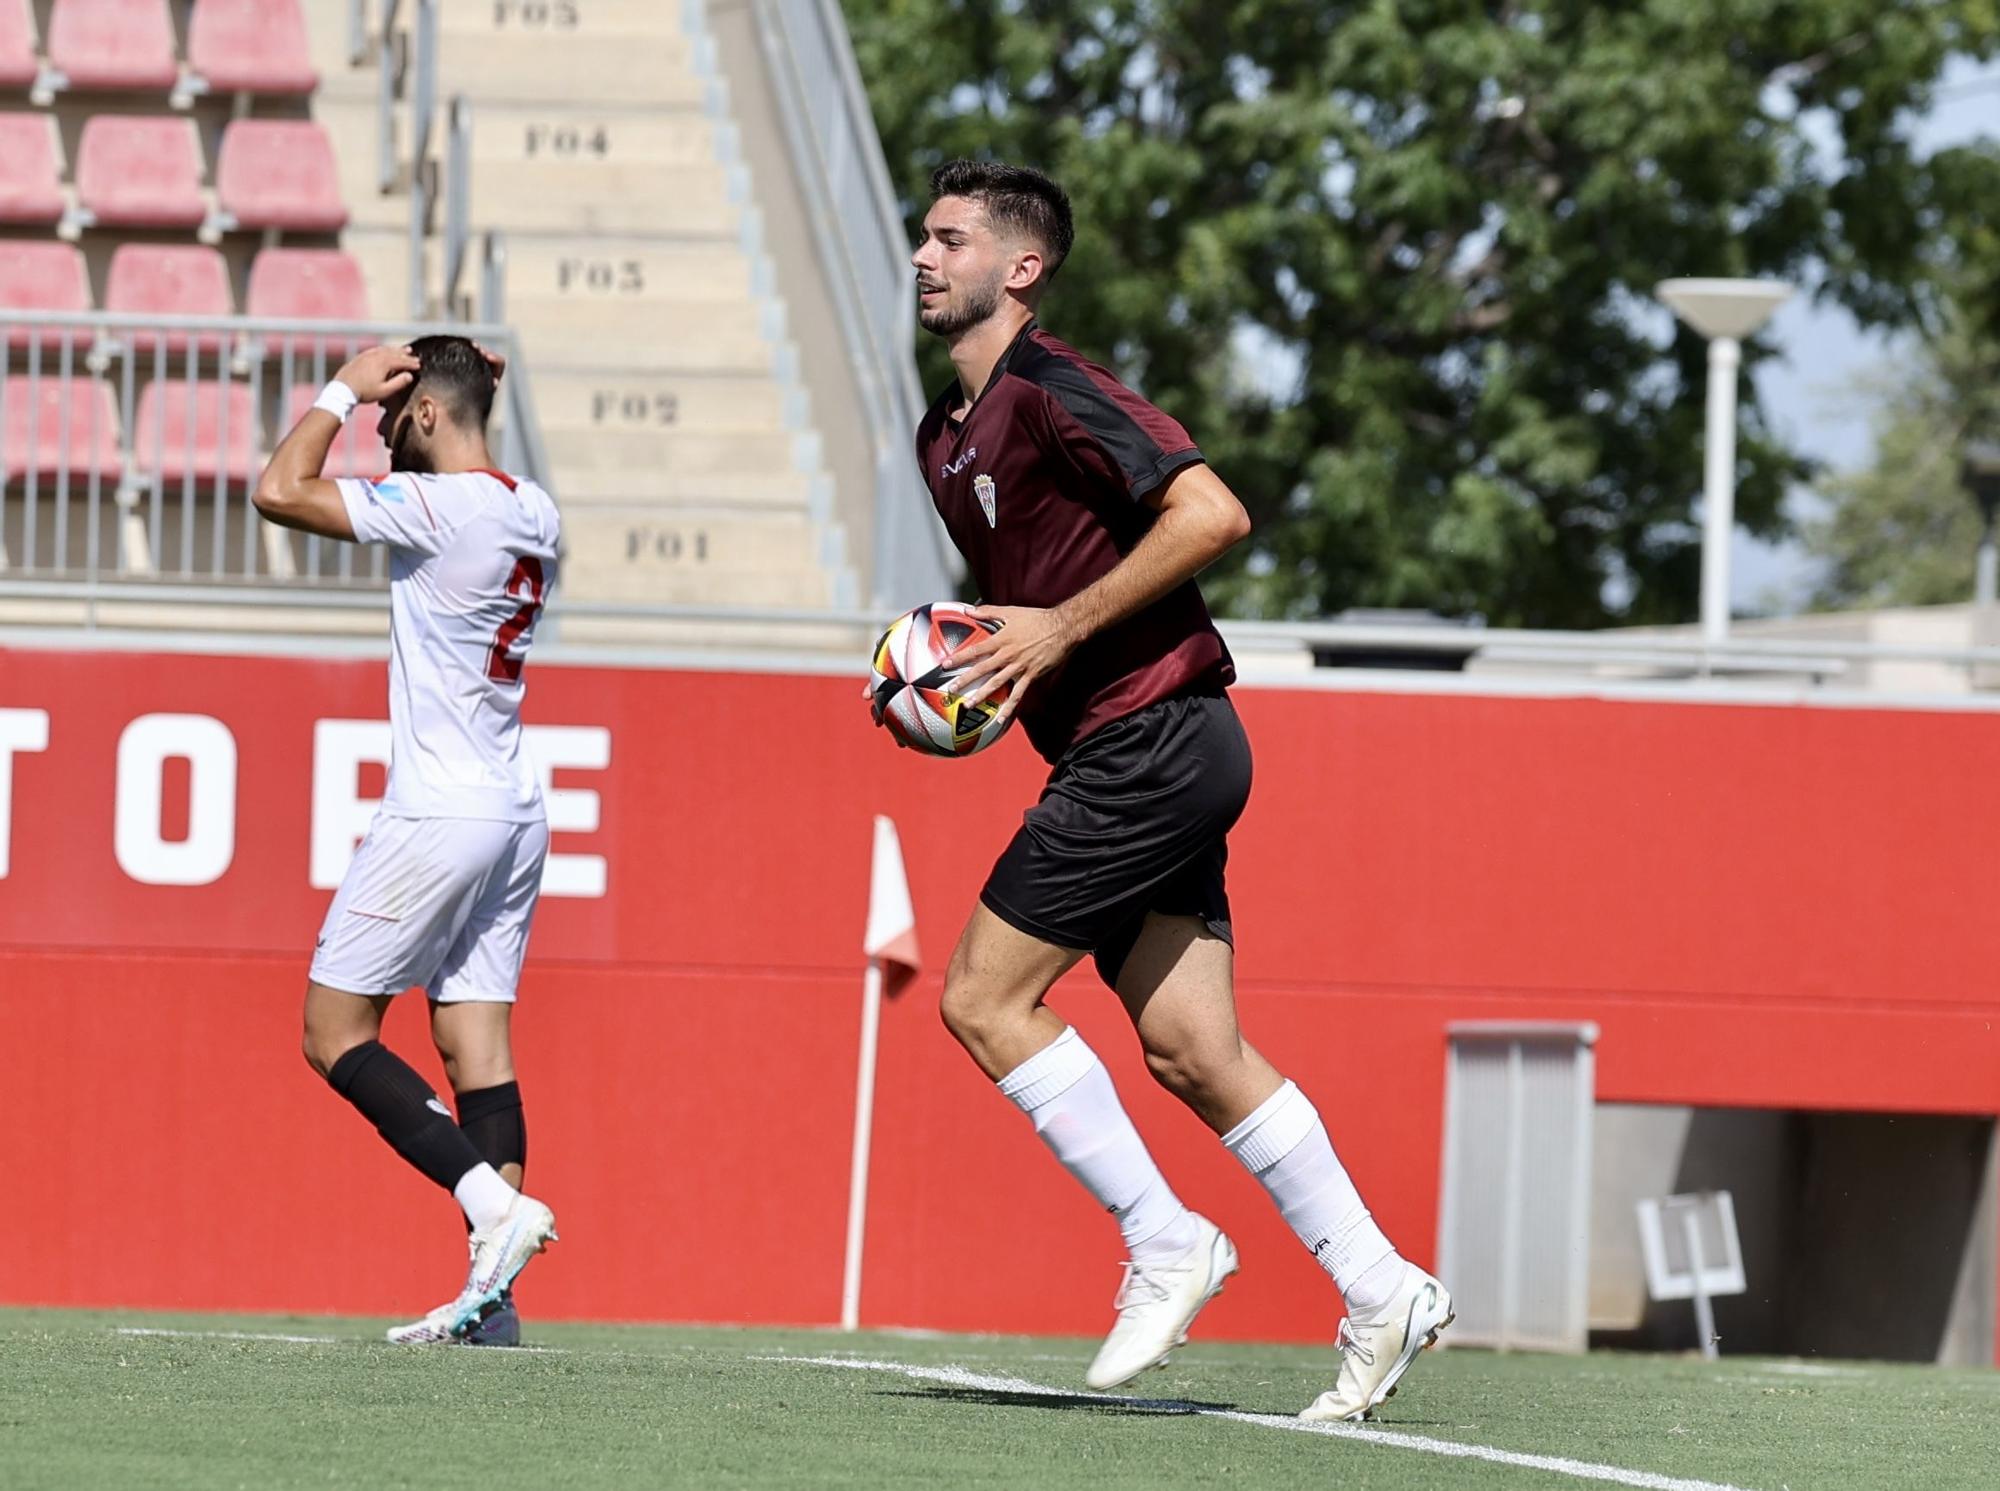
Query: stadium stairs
point(673, 399)
point(221, 157)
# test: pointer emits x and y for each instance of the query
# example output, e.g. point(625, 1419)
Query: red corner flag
point(892, 925)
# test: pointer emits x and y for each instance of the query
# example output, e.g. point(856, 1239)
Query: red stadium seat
point(32, 429)
point(140, 172)
point(251, 46)
point(357, 450)
point(18, 68)
point(218, 421)
point(30, 170)
point(292, 284)
point(117, 45)
point(279, 173)
point(43, 276)
point(169, 279)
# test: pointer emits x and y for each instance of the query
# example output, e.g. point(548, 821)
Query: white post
point(1986, 579)
point(1718, 492)
point(864, 1125)
point(1704, 1313)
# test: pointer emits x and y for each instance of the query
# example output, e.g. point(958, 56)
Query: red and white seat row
point(128, 46)
point(137, 171)
point(172, 279)
point(142, 171)
point(211, 434)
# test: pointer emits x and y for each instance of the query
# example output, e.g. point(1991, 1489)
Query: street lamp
point(1724, 311)
point(1980, 475)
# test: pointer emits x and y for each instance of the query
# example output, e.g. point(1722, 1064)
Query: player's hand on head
point(1030, 644)
point(494, 360)
point(380, 373)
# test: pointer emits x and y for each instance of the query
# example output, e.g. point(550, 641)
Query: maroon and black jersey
point(1042, 486)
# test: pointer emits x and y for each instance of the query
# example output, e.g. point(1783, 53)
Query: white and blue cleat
point(484, 1314)
point(498, 1256)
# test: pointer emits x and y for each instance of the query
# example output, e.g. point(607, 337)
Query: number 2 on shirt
point(525, 584)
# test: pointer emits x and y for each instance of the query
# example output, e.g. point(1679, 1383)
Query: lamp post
point(1724, 311)
point(1980, 475)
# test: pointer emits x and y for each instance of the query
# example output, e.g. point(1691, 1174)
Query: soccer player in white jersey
point(442, 890)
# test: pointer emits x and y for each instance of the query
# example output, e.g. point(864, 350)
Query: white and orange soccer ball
point(911, 692)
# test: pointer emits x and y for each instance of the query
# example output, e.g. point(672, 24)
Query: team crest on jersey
point(984, 490)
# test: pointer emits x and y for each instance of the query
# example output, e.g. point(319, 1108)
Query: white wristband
point(338, 400)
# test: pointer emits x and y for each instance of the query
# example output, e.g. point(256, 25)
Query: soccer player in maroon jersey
point(1085, 514)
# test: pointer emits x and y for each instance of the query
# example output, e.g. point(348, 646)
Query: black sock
point(404, 1111)
point(492, 1119)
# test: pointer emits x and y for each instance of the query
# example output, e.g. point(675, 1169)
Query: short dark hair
point(458, 376)
point(1017, 198)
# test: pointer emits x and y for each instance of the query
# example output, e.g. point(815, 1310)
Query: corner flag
point(890, 944)
point(891, 939)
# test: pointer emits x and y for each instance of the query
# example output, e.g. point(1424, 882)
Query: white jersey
point(472, 561)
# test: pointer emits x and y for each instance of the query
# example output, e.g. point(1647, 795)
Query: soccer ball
point(911, 690)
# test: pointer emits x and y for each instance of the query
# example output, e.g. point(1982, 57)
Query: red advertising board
point(1759, 905)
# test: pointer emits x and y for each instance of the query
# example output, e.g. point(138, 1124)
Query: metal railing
point(130, 446)
point(863, 244)
point(457, 201)
point(389, 58)
point(423, 174)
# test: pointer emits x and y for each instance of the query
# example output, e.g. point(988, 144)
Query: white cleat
point(1376, 1352)
point(1158, 1302)
point(434, 1329)
point(498, 1256)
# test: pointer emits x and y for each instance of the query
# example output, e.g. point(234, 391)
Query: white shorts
point(441, 903)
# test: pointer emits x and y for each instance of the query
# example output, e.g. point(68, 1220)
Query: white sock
point(484, 1195)
point(1285, 1146)
point(1067, 1094)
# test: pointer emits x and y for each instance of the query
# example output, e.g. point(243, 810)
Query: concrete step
point(848, 643)
point(651, 555)
point(689, 452)
point(769, 493)
point(654, 70)
point(625, 269)
point(608, 401)
point(604, 197)
point(384, 254)
point(582, 134)
point(559, 20)
point(326, 40)
point(682, 337)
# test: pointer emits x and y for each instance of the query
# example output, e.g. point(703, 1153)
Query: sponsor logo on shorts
point(436, 1107)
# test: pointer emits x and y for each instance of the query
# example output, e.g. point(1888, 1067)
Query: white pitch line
point(1582, 1470)
point(148, 1330)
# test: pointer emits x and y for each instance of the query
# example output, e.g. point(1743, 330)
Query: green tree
point(1435, 227)
point(1904, 532)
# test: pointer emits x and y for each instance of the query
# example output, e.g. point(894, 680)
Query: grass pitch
point(116, 1400)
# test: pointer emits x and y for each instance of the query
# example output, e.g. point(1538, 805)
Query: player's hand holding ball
point(380, 373)
point(917, 692)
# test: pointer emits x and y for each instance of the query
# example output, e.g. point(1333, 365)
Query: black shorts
point(1134, 819)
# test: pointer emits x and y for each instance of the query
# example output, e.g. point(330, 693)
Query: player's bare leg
point(1178, 985)
point(474, 1040)
point(993, 991)
point(993, 1005)
point(336, 1022)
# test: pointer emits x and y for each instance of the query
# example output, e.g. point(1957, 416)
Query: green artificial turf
point(84, 1403)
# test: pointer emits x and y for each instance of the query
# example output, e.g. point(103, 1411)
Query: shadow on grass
point(1069, 1402)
